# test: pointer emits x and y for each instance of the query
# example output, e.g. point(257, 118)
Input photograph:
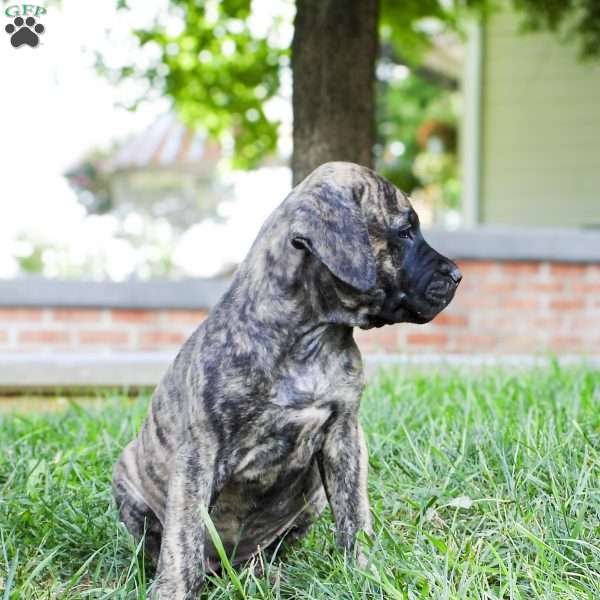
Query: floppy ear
point(329, 224)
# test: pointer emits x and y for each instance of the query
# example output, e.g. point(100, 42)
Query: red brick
point(76, 315)
point(519, 304)
point(567, 269)
point(520, 343)
point(585, 288)
point(512, 268)
point(385, 338)
point(497, 287)
point(587, 326)
point(594, 271)
point(185, 316)
point(474, 341)
point(473, 300)
point(43, 336)
point(546, 286)
point(566, 342)
point(162, 338)
point(21, 314)
point(477, 266)
point(108, 338)
point(451, 320)
point(501, 321)
point(427, 339)
point(548, 323)
point(489, 321)
point(134, 316)
point(568, 304)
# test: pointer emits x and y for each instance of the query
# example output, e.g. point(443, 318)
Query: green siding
point(540, 143)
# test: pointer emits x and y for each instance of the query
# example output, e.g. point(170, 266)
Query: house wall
point(540, 125)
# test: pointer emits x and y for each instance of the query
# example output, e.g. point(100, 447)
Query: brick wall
point(501, 307)
point(509, 308)
point(95, 330)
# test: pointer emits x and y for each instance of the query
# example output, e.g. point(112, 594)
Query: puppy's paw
point(162, 589)
point(361, 560)
point(360, 553)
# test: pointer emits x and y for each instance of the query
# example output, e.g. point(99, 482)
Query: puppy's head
point(364, 231)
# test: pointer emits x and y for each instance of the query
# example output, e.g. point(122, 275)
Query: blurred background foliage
point(218, 72)
point(220, 76)
point(222, 67)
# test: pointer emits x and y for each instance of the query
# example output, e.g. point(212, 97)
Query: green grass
point(482, 485)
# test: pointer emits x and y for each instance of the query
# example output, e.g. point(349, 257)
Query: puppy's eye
point(405, 231)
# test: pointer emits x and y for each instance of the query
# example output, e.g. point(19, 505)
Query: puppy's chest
point(292, 426)
point(284, 444)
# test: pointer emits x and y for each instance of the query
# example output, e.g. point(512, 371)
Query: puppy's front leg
point(181, 562)
point(343, 464)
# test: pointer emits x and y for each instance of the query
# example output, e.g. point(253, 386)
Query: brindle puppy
point(256, 419)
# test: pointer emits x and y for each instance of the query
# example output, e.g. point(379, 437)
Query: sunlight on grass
point(483, 485)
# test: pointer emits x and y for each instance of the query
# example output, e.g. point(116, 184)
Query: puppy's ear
point(329, 224)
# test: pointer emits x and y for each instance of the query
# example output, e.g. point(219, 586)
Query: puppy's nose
point(450, 269)
point(455, 274)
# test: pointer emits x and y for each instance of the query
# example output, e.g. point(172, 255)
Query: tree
point(333, 63)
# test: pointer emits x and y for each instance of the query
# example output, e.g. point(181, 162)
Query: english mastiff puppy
point(256, 419)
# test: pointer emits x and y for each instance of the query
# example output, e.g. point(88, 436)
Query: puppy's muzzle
point(440, 290)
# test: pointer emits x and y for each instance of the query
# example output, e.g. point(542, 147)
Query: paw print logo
point(24, 31)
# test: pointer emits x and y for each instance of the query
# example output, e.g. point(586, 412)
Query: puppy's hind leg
point(137, 516)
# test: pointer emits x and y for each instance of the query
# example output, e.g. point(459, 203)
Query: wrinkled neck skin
point(286, 302)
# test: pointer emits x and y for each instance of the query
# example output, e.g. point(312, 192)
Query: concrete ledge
point(373, 362)
point(63, 371)
point(42, 292)
point(496, 243)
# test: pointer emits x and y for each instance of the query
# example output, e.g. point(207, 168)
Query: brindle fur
point(256, 418)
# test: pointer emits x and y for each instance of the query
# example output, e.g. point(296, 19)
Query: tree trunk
point(333, 62)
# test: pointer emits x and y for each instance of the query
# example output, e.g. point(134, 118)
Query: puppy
point(256, 418)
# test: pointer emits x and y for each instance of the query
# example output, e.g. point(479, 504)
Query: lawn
point(483, 485)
